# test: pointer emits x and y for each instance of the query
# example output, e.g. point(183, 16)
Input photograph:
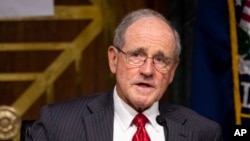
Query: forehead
point(150, 32)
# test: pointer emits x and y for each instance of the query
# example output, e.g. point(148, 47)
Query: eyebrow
point(159, 53)
point(142, 49)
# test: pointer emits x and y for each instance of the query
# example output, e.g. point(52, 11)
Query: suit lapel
point(100, 120)
point(176, 123)
point(99, 123)
point(178, 132)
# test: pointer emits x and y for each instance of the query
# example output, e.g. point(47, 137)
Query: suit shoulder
point(193, 116)
point(201, 127)
point(73, 104)
point(190, 118)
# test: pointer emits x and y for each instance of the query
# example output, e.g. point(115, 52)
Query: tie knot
point(140, 120)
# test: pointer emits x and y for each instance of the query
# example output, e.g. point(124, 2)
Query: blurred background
point(47, 59)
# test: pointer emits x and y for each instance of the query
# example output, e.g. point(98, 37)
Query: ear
point(173, 70)
point(112, 57)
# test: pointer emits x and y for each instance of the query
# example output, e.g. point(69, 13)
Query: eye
point(137, 54)
point(160, 59)
point(168, 61)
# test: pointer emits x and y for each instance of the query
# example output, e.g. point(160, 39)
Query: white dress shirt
point(124, 114)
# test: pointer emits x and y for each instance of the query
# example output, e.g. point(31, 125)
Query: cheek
point(168, 77)
point(125, 71)
point(163, 79)
point(163, 82)
point(122, 73)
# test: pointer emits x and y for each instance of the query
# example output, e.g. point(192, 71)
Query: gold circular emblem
point(10, 123)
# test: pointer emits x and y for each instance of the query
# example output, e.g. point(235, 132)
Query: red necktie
point(141, 133)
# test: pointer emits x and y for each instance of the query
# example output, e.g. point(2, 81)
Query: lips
point(143, 84)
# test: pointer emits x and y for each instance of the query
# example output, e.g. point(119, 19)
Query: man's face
point(141, 86)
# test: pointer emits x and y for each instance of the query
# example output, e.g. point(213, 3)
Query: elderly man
point(144, 57)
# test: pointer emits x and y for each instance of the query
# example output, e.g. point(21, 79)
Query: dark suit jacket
point(91, 119)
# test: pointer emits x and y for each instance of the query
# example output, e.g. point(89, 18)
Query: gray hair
point(136, 15)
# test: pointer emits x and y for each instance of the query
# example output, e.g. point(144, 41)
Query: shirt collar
point(125, 114)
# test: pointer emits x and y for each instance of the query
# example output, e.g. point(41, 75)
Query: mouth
point(144, 85)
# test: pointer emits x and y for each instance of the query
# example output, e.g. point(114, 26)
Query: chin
point(142, 106)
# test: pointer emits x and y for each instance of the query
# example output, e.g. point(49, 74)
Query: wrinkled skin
point(141, 86)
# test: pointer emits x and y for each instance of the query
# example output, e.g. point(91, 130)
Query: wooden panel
point(40, 58)
point(41, 31)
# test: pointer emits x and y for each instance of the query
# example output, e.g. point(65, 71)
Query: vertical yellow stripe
point(234, 46)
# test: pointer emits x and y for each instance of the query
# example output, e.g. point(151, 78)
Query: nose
point(147, 68)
